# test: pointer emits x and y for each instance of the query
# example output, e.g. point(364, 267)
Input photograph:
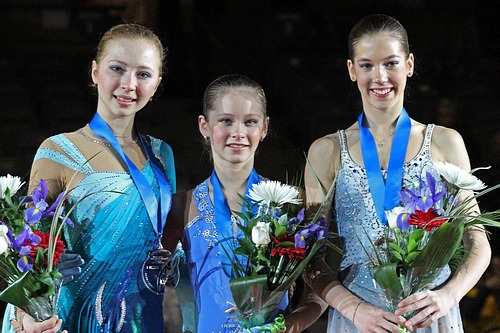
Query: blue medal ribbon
point(385, 192)
point(223, 217)
point(157, 211)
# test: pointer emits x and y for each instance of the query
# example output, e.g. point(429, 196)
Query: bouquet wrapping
point(272, 254)
point(424, 235)
point(28, 254)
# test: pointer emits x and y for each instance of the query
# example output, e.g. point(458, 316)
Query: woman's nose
point(237, 134)
point(129, 82)
point(238, 131)
point(381, 75)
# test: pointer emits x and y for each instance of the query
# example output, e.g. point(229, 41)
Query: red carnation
point(427, 220)
point(44, 244)
point(294, 253)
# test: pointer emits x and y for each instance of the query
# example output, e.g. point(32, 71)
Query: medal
point(154, 270)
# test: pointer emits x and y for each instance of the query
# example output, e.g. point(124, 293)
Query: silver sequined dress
point(358, 222)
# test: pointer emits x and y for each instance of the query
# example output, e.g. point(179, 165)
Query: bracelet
point(16, 319)
point(354, 313)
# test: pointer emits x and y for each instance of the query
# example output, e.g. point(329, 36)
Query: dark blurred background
point(296, 50)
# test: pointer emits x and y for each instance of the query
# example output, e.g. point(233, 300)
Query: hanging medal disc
point(153, 272)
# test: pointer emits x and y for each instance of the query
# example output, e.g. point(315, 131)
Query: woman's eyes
point(120, 69)
point(227, 121)
point(368, 66)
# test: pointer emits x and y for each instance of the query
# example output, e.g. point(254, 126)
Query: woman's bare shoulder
point(325, 145)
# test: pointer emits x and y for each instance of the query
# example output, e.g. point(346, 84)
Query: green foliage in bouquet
point(275, 248)
point(30, 246)
point(425, 233)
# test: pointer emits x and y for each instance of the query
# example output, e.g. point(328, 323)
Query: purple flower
point(26, 236)
point(22, 245)
point(25, 263)
point(402, 221)
point(311, 233)
point(39, 210)
point(424, 196)
point(35, 213)
point(398, 218)
point(299, 218)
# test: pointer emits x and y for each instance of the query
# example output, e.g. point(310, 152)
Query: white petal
point(459, 177)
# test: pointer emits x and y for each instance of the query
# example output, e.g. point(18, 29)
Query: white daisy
point(13, 183)
point(459, 177)
point(274, 194)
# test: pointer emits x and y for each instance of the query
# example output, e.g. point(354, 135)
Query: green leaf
point(285, 244)
point(397, 248)
point(40, 257)
point(283, 220)
point(411, 256)
point(262, 257)
point(412, 245)
point(280, 230)
point(397, 255)
point(417, 235)
point(387, 277)
point(441, 247)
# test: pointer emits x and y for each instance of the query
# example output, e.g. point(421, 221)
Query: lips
point(381, 92)
point(125, 99)
point(236, 146)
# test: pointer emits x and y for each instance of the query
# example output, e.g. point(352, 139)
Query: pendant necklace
point(381, 143)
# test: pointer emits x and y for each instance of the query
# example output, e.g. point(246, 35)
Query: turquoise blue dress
point(113, 234)
point(357, 218)
point(208, 277)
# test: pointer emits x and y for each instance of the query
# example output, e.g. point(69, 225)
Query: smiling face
point(380, 68)
point(127, 76)
point(235, 126)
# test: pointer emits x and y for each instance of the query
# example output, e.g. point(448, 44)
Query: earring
point(151, 99)
point(353, 79)
point(410, 74)
point(205, 138)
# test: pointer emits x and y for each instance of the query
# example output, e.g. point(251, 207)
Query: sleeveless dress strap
point(165, 156)
point(197, 189)
point(74, 159)
point(344, 154)
point(428, 135)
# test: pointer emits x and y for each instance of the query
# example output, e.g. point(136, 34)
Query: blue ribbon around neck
point(385, 192)
point(223, 218)
point(157, 211)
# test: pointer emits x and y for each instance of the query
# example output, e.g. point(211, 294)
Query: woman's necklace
point(102, 143)
point(381, 143)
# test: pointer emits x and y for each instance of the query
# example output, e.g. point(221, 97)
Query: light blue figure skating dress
point(209, 277)
point(357, 218)
point(113, 234)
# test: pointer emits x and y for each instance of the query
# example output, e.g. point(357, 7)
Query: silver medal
point(154, 270)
